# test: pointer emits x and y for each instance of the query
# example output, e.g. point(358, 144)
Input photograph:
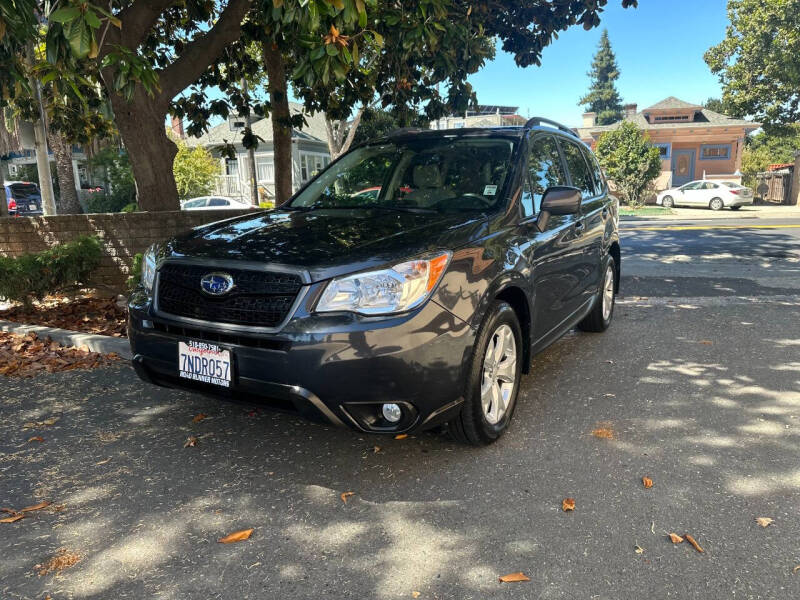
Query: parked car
point(24, 198)
point(213, 203)
point(716, 195)
point(410, 311)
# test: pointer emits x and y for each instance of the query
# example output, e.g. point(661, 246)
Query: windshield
point(425, 174)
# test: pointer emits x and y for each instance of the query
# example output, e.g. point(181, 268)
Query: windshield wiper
point(401, 208)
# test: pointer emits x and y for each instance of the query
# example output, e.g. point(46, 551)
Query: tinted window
point(196, 203)
point(599, 183)
point(544, 166)
point(218, 202)
point(22, 191)
point(695, 185)
point(578, 169)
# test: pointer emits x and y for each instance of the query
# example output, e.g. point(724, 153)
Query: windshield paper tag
point(490, 190)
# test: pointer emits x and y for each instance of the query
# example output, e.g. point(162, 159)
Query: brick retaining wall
point(123, 235)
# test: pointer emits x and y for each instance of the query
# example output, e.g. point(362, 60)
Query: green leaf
point(66, 14)
point(79, 37)
point(318, 52)
point(378, 38)
point(91, 19)
point(331, 49)
point(354, 52)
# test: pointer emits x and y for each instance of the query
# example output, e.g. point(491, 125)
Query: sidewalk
point(746, 212)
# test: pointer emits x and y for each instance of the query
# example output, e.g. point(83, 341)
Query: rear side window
point(218, 202)
point(599, 183)
point(545, 170)
point(578, 169)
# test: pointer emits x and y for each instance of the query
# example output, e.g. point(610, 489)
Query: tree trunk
point(281, 124)
point(67, 203)
point(141, 123)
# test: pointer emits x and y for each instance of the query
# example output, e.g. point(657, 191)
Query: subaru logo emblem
point(216, 284)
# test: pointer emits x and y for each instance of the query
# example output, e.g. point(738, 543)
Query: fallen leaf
point(190, 442)
point(676, 539)
point(604, 431)
point(796, 569)
point(764, 521)
point(13, 518)
point(706, 342)
point(568, 504)
point(39, 506)
point(638, 549)
point(8, 510)
point(36, 438)
point(102, 462)
point(512, 577)
point(415, 594)
point(345, 495)
point(693, 542)
point(51, 421)
point(198, 417)
point(647, 482)
point(376, 449)
point(237, 536)
point(62, 560)
point(401, 436)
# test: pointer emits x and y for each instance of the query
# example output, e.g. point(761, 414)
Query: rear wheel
point(603, 310)
point(667, 202)
point(493, 385)
point(716, 204)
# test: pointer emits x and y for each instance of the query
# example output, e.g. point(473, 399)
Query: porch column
point(739, 150)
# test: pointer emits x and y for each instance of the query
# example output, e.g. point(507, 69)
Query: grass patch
point(644, 211)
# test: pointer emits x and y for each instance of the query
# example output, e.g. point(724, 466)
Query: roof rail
point(405, 131)
point(537, 121)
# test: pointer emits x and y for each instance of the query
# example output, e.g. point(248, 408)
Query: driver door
point(692, 194)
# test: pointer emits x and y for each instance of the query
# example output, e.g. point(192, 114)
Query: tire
point(735, 207)
point(667, 202)
point(478, 424)
point(716, 204)
point(602, 312)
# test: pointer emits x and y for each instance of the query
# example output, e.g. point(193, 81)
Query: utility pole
point(251, 153)
point(40, 144)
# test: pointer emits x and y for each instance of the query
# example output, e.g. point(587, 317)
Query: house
point(695, 143)
point(486, 115)
point(309, 154)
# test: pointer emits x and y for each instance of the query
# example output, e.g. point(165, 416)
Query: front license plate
point(208, 363)
point(32, 207)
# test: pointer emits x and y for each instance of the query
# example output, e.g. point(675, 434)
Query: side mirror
point(558, 200)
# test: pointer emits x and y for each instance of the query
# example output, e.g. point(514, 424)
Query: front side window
point(694, 185)
point(545, 170)
point(439, 174)
point(578, 169)
point(196, 203)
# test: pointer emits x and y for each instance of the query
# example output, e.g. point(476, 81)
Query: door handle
point(579, 227)
point(605, 212)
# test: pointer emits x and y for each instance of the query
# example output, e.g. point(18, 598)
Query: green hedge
point(33, 276)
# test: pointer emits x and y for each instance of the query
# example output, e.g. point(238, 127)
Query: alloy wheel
point(608, 293)
point(499, 374)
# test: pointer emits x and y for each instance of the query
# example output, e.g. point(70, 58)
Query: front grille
point(259, 298)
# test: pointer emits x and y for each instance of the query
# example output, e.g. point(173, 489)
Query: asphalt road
point(698, 382)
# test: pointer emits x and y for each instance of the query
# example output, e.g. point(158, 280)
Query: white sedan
point(715, 195)
point(213, 203)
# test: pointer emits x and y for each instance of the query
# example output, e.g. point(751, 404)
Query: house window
point(672, 118)
point(663, 149)
point(265, 169)
point(232, 167)
point(715, 152)
point(311, 164)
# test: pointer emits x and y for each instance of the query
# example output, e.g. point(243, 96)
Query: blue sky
point(659, 48)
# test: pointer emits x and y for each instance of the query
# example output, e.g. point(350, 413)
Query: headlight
point(149, 267)
point(393, 290)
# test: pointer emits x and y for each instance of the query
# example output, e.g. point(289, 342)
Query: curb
point(104, 344)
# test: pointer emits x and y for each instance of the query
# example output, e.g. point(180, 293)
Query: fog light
point(392, 413)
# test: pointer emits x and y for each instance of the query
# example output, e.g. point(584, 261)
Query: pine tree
point(603, 97)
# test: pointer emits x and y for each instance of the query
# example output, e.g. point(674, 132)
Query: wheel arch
point(616, 253)
point(516, 297)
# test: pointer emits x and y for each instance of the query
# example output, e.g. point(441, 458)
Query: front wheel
point(716, 204)
point(667, 202)
point(603, 310)
point(493, 383)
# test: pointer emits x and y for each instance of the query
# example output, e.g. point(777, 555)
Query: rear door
point(552, 252)
point(590, 226)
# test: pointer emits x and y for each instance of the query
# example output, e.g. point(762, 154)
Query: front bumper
point(334, 368)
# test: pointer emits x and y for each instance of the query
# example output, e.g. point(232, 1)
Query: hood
point(327, 243)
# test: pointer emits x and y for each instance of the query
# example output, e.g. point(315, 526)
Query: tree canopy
point(629, 160)
point(757, 61)
point(603, 97)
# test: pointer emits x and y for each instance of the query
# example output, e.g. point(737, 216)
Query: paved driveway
point(701, 394)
